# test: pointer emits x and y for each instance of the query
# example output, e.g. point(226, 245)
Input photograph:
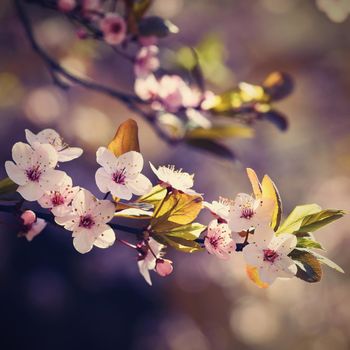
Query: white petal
point(134, 212)
point(82, 242)
point(267, 275)
point(252, 255)
point(103, 180)
point(37, 227)
point(70, 221)
point(263, 235)
point(50, 136)
point(45, 200)
point(45, 154)
point(120, 191)
point(144, 271)
point(156, 172)
point(60, 210)
point(287, 267)
point(49, 179)
point(103, 211)
point(83, 202)
point(15, 173)
point(69, 153)
point(132, 162)
point(284, 243)
point(107, 159)
point(106, 237)
point(22, 154)
point(31, 191)
point(140, 186)
point(31, 138)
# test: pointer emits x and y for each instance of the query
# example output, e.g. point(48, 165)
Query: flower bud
point(66, 5)
point(164, 267)
point(28, 217)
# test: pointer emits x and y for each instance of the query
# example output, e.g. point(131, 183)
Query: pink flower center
point(86, 221)
point(247, 213)
point(33, 174)
point(270, 255)
point(119, 177)
point(115, 28)
point(57, 199)
point(215, 241)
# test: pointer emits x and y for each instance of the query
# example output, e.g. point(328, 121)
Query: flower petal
point(103, 180)
point(103, 211)
point(83, 242)
point(106, 237)
point(37, 227)
point(31, 191)
point(120, 191)
point(144, 271)
point(140, 185)
point(83, 202)
point(22, 154)
point(107, 159)
point(69, 153)
point(15, 173)
point(49, 179)
point(131, 162)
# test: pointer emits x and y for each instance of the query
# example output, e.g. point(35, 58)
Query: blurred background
point(53, 297)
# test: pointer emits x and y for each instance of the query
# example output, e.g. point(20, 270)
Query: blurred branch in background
point(178, 111)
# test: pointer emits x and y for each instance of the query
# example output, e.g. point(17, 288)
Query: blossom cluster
point(248, 223)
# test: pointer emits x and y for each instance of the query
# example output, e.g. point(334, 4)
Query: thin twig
point(56, 70)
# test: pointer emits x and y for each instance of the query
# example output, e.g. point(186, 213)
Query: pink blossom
point(113, 27)
point(66, 5)
point(164, 267)
point(32, 225)
point(91, 5)
point(146, 61)
point(218, 240)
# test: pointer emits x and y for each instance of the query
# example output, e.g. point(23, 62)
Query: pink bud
point(164, 267)
point(28, 217)
point(81, 33)
point(66, 5)
point(113, 28)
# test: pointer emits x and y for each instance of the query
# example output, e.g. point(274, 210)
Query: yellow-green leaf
point(269, 190)
point(126, 138)
point(155, 196)
point(304, 242)
point(220, 132)
point(178, 208)
point(7, 186)
point(296, 217)
point(183, 245)
point(188, 232)
point(315, 221)
point(328, 262)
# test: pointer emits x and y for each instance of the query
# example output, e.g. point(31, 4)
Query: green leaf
point(296, 217)
point(220, 132)
point(178, 208)
point(328, 262)
point(315, 221)
point(7, 186)
point(213, 147)
point(183, 245)
point(155, 196)
point(308, 243)
point(309, 268)
point(188, 232)
point(156, 26)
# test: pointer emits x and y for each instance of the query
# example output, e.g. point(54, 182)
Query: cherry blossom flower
point(50, 136)
point(218, 240)
point(220, 209)
point(146, 61)
point(176, 179)
point(269, 254)
point(336, 10)
point(121, 175)
point(149, 252)
point(249, 212)
point(164, 267)
point(32, 225)
point(66, 5)
point(88, 220)
point(169, 93)
point(33, 169)
point(113, 28)
point(59, 197)
point(197, 118)
point(91, 5)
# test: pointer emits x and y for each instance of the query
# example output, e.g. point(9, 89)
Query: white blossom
point(269, 254)
point(88, 220)
point(176, 179)
point(59, 197)
point(121, 175)
point(50, 136)
point(33, 169)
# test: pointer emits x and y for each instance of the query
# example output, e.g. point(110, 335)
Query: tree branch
point(56, 70)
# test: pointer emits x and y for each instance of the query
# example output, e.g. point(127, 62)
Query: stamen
point(270, 255)
point(57, 199)
point(86, 221)
point(34, 173)
point(247, 213)
point(119, 176)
